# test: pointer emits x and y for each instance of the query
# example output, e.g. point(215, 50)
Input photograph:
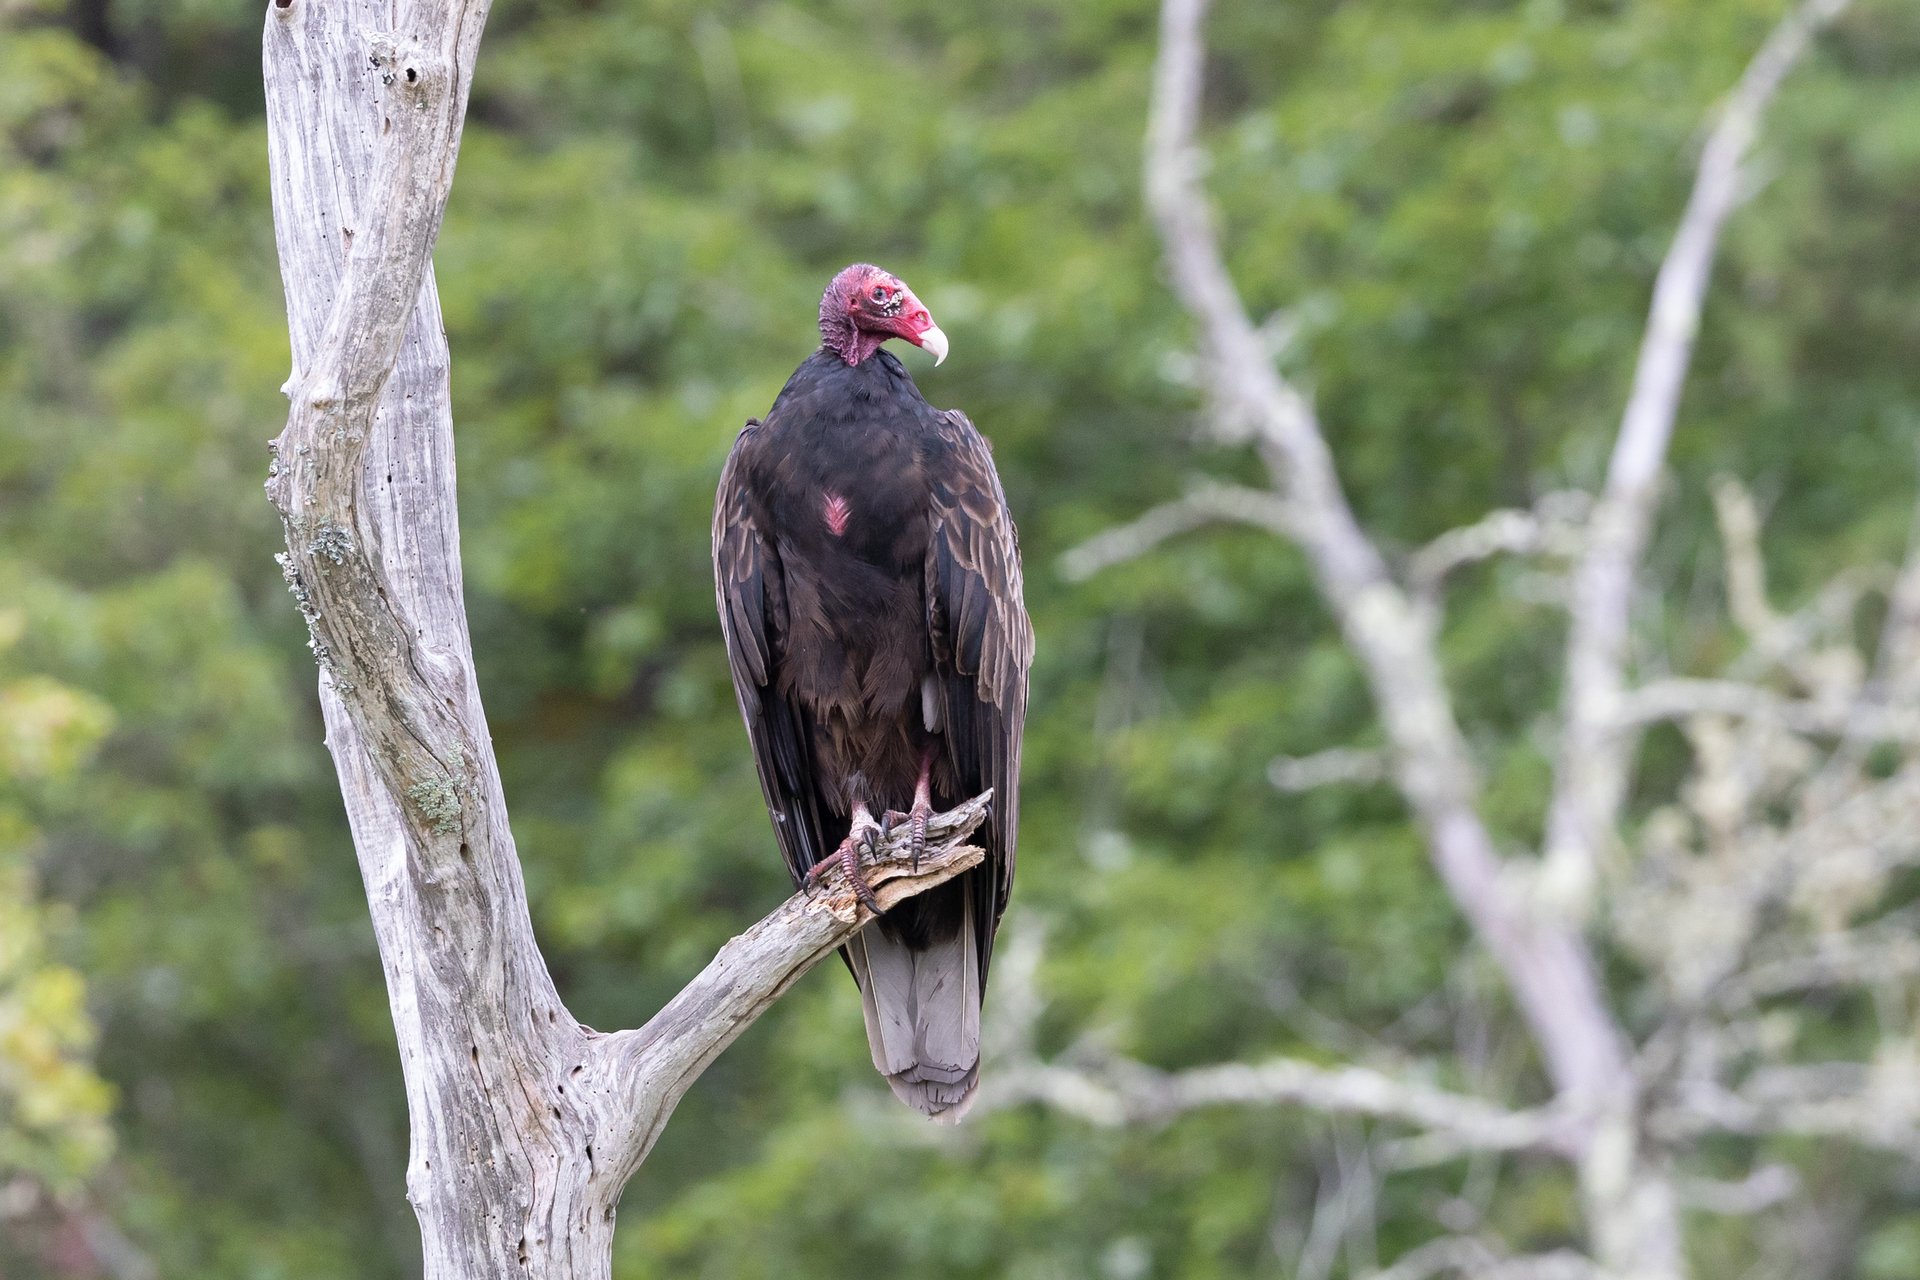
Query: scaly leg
point(915, 818)
point(861, 840)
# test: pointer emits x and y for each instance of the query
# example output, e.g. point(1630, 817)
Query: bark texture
point(525, 1124)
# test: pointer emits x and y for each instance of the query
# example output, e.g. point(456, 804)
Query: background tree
point(1720, 865)
point(1462, 209)
point(53, 1108)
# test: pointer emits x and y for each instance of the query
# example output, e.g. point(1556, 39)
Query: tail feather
point(922, 1011)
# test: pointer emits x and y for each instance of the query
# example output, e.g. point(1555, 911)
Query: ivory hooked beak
point(931, 339)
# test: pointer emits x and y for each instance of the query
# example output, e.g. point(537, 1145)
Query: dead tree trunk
point(525, 1124)
point(1531, 917)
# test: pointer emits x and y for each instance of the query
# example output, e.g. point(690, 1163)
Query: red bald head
point(864, 306)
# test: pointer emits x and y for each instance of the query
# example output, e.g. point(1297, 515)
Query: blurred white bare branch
point(1677, 699)
point(1591, 777)
point(1117, 1091)
point(1552, 528)
point(1765, 1187)
point(1474, 1259)
point(1758, 876)
point(1549, 968)
point(1333, 767)
point(1205, 502)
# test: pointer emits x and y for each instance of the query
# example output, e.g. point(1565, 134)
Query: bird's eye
point(880, 293)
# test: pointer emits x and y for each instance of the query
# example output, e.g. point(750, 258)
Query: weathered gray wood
point(525, 1124)
point(1532, 923)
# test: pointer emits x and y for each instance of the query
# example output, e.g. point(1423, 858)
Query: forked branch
point(649, 1069)
point(525, 1125)
point(1591, 775)
point(1540, 946)
point(1548, 967)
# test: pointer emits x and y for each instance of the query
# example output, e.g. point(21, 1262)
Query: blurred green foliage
point(1461, 205)
point(53, 1108)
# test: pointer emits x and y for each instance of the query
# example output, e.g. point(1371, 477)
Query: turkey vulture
point(868, 579)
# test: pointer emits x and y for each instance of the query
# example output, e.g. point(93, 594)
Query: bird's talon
point(861, 889)
point(859, 843)
point(889, 820)
point(816, 875)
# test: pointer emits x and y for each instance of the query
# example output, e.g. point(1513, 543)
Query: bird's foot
point(861, 842)
point(916, 819)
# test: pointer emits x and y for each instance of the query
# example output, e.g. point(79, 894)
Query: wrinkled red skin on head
point(853, 324)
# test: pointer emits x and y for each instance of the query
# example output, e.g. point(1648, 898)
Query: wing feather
point(982, 643)
point(750, 591)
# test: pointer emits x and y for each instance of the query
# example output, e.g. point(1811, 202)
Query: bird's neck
point(847, 340)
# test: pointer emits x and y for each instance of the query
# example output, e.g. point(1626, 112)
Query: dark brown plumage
point(868, 579)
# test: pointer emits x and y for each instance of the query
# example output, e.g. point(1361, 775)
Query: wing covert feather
point(750, 592)
point(982, 645)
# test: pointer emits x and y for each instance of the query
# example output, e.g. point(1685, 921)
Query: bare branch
point(1897, 659)
point(1590, 780)
point(1765, 1187)
point(1121, 1092)
point(363, 129)
point(1891, 677)
point(1546, 963)
point(1206, 502)
point(1548, 967)
point(643, 1074)
point(1676, 699)
point(1344, 1209)
point(1476, 1260)
point(1875, 1106)
point(1542, 953)
point(1887, 950)
point(1752, 734)
point(1246, 385)
point(1498, 532)
point(1739, 520)
point(1332, 767)
point(1835, 860)
point(525, 1125)
point(1551, 528)
point(1814, 644)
